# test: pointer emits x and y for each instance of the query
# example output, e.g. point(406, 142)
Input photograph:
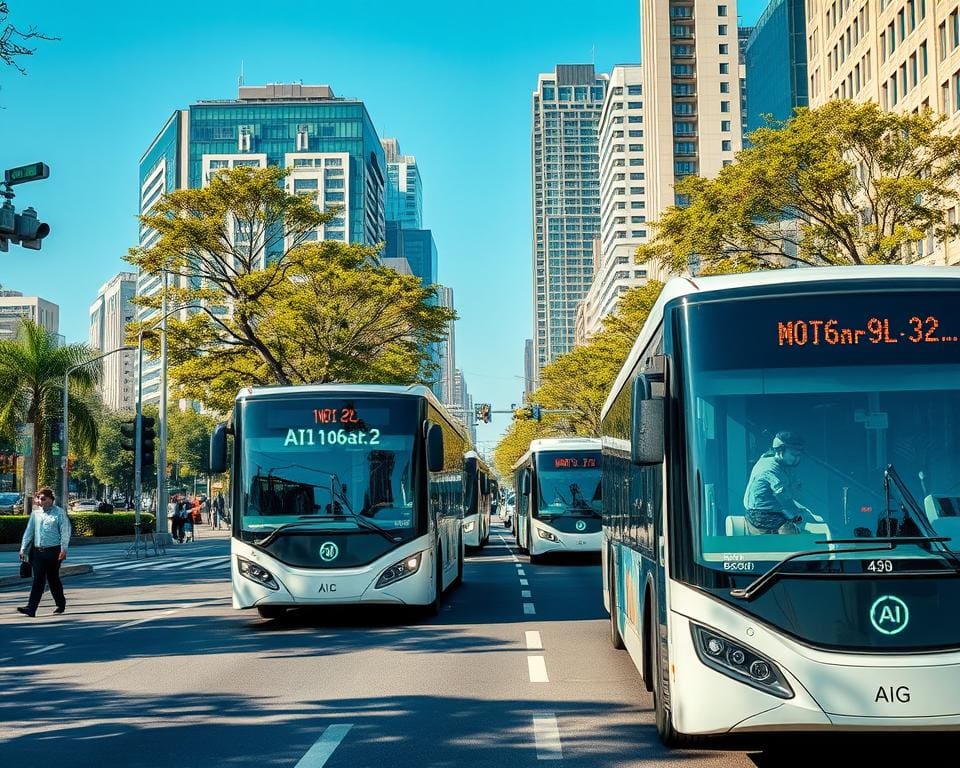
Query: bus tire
point(433, 608)
point(271, 611)
point(616, 640)
point(459, 580)
point(669, 736)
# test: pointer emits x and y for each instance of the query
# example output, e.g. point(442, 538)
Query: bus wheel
point(271, 611)
point(459, 580)
point(669, 735)
point(616, 640)
point(433, 608)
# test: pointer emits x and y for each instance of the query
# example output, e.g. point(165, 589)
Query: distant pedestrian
point(218, 505)
point(44, 544)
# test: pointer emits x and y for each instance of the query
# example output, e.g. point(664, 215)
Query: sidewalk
point(79, 553)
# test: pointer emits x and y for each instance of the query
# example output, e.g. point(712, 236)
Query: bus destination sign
point(575, 462)
point(876, 330)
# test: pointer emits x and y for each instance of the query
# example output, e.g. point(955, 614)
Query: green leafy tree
point(276, 309)
point(112, 465)
point(32, 370)
point(842, 184)
point(188, 441)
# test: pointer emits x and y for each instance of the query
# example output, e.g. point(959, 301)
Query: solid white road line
point(538, 669)
point(534, 643)
point(149, 618)
point(320, 752)
point(547, 735)
point(524, 583)
point(44, 649)
point(525, 593)
point(528, 609)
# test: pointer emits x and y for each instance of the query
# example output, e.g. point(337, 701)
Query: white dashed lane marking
point(528, 609)
point(537, 667)
point(44, 649)
point(524, 583)
point(534, 643)
point(324, 747)
point(525, 593)
point(547, 736)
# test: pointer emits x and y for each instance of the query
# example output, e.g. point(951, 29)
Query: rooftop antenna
point(240, 79)
point(593, 54)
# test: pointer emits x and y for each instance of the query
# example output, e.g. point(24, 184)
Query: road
point(150, 666)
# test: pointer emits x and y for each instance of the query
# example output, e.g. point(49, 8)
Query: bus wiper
point(361, 522)
point(275, 533)
point(889, 544)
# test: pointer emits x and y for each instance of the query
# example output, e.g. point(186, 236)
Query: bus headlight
point(469, 526)
point(254, 572)
point(740, 662)
point(400, 570)
point(547, 535)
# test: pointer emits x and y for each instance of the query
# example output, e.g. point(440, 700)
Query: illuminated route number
point(335, 416)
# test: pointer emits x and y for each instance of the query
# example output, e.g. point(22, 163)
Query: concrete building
point(901, 54)
point(529, 367)
point(776, 63)
point(110, 313)
point(691, 82)
point(566, 201)
point(462, 406)
point(328, 142)
point(623, 201)
point(15, 307)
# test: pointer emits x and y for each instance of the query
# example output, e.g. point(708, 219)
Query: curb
point(66, 570)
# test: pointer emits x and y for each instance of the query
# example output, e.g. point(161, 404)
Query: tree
point(188, 441)
point(842, 184)
point(275, 308)
point(32, 369)
point(11, 45)
point(112, 465)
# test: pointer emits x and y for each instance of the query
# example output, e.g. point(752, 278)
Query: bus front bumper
point(829, 691)
point(552, 540)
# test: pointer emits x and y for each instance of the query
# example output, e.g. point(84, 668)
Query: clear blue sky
point(452, 81)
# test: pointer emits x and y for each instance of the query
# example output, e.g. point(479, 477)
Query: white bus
point(558, 505)
point(480, 485)
point(343, 494)
point(781, 483)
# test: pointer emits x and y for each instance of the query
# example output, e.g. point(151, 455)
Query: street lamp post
point(65, 459)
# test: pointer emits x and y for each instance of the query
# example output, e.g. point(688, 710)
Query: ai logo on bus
point(329, 551)
point(581, 525)
point(889, 615)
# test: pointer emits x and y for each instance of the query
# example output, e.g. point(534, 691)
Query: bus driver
point(769, 499)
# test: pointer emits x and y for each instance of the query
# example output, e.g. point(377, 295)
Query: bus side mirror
point(218, 449)
point(435, 448)
point(646, 444)
point(525, 483)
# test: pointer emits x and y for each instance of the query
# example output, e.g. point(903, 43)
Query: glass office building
point(777, 63)
point(566, 201)
point(404, 194)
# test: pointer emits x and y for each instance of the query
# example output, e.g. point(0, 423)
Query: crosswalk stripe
point(213, 562)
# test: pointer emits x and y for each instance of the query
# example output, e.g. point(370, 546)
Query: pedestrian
point(218, 509)
point(44, 544)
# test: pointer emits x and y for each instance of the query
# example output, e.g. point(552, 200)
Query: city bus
point(342, 494)
point(558, 504)
point(480, 488)
point(782, 503)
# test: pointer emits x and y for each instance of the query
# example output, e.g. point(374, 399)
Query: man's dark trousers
point(46, 568)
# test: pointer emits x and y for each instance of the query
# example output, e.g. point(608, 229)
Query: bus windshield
point(326, 462)
point(797, 406)
point(568, 484)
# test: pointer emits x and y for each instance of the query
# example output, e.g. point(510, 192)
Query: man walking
point(48, 531)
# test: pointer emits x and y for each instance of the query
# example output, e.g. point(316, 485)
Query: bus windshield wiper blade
point(272, 536)
point(369, 525)
point(307, 519)
point(889, 544)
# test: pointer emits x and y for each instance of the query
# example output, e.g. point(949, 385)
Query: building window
point(722, 30)
point(721, 10)
point(724, 49)
point(725, 126)
point(724, 68)
point(727, 145)
point(724, 87)
point(724, 106)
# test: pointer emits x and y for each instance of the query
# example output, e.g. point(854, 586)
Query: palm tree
point(32, 368)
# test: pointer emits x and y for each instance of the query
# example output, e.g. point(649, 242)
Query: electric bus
point(558, 504)
point(781, 486)
point(479, 489)
point(342, 494)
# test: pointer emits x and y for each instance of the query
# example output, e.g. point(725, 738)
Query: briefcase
point(25, 570)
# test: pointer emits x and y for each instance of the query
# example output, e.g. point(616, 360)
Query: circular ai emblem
point(889, 615)
point(329, 551)
point(581, 525)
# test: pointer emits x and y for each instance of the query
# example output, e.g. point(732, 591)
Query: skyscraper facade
point(777, 63)
point(328, 142)
point(566, 201)
point(110, 314)
point(691, 83)
point(448, 351)
point(15, 307)
point(404, 193)
point(901, 54)
point(623, 214)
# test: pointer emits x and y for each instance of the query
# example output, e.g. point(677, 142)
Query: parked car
point(84, 505)
point(11, 503)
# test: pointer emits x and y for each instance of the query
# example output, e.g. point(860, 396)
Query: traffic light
point(482, 412)
point(147, 438)
point(128, 435)
point(536, 413)
point(23, 228)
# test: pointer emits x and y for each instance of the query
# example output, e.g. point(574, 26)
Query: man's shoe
point(60, 610)
point(26, 612)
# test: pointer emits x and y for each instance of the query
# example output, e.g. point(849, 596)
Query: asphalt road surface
point(150, 666)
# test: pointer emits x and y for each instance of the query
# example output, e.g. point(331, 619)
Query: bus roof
point(559, 444)
point(679, 287)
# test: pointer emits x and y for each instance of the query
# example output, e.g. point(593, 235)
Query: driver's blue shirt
point(768, 500)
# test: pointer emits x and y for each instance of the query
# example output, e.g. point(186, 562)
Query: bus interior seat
point(735, 525)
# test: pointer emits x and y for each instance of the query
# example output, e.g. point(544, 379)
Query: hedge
point(84, 524)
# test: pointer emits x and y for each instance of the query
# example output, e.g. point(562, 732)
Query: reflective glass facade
point(777, 63)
